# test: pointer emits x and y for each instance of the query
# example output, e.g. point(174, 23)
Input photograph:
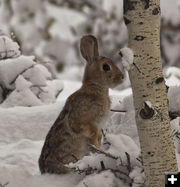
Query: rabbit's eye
point(106, 67)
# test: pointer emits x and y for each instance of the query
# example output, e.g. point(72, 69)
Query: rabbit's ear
point(89, 48)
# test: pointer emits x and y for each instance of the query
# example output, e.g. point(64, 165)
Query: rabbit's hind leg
point(57, 166)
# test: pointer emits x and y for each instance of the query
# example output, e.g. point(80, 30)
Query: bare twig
point(105, 142)
point(119, 174)
point(3, 185)
point(128, 162)
point(113, 110)
point(138, 159)
point(58, 92)
point(103, 133)
point(21, 73)
point(85, 184)
point(5, 54)
point(102, 165)
point(89, 170)
point(94, 148)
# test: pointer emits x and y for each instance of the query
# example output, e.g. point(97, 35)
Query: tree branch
point(114, 110)
point(3, 185)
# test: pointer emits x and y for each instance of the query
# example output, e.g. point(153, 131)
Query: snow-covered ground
point(23, 130)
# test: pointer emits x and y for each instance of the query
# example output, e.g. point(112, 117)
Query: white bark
point(142, 18)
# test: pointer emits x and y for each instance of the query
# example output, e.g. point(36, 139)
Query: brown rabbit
point(84, 113)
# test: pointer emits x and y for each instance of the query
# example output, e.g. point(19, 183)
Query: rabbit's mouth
point(117, 80)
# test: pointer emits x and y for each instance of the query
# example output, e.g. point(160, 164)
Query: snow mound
point(11, 68)
point(24, 82)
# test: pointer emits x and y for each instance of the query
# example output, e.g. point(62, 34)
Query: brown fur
point(83, 115)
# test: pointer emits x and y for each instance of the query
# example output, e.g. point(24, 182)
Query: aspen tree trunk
point(142, 18)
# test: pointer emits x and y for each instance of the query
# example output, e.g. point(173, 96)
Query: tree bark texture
point(142, 18)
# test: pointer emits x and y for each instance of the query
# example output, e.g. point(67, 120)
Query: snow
point(175, 125)
point(51, 91)
point(21, 83)
point(64, 20)
point(8, 48)
point(127, 57)
point(137, 176)
point(115, 6)
point(24, 81)
point(148, 103)
point(119, 146)
point(104, 179)
point(173, 96)
point(170, 11)
point(172, 76)
point(37, 75)
point(27, 122)
point(10, 68)
point(24, 97)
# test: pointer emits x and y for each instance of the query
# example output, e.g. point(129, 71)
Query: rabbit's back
point(60, 142)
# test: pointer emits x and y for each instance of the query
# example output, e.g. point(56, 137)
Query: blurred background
point(50, 30)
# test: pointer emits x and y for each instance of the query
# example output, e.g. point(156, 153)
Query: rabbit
point(84, 113)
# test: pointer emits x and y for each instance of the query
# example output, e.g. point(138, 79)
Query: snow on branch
point(24, 81)
point(127, 57)
point(8, 48)
point(118, 159)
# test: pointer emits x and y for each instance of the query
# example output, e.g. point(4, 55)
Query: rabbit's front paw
point(127, 57)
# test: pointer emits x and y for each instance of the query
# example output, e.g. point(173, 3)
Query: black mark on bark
point(126, 21)
point(138, 68)
point(146, 112)
point(150, 153)
point(141, 23)
point(139, 38)
point(156, 11)
point(159, 80)
point(128, 5)
point(146, 4)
